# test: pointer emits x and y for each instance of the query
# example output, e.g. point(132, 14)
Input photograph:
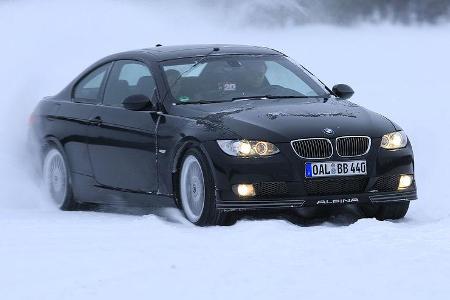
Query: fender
point(183, 145)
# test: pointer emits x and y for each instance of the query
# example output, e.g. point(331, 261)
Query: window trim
point(99, 98)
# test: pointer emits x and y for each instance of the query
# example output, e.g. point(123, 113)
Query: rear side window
point(88, 89)
point(128, 78)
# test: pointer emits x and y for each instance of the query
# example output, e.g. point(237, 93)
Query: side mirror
point(343, 91)
point(136, 102)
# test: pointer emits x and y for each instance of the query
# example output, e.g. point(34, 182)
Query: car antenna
point(215, 49)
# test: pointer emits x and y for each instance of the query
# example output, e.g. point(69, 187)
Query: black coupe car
point(216, 129)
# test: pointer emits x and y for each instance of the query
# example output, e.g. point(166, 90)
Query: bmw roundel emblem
point(328, 131)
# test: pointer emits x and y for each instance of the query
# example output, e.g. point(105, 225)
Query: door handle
point(95, 121)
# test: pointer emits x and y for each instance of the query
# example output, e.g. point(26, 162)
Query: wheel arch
point(49, 141)
point(185, 144)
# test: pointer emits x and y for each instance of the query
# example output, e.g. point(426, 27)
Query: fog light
point(244, 190)
point(405, 181)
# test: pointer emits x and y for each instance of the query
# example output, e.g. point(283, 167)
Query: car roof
point(162, 53)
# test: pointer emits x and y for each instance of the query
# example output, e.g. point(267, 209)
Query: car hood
point(283, 120)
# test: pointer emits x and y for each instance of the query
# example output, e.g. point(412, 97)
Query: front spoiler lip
point(318, 201)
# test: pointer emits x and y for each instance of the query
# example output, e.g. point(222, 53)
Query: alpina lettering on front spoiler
point(338, 201)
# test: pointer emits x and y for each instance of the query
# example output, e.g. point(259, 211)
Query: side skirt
point(86, 190)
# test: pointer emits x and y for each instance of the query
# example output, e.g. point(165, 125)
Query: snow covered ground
point(47, 254)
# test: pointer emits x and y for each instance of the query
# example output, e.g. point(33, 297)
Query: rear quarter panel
point(65, 122)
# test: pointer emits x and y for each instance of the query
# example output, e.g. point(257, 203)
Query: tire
point(197, 192)
point(56, 177)
point(387, 211)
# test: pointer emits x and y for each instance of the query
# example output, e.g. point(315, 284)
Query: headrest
point(172, 75)
point(146, 81)
point(122, 84)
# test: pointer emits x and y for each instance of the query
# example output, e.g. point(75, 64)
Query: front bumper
point(287, 168)
point(309, 201)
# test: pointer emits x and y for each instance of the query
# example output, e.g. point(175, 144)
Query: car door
point(72, 118)
point(122, 143)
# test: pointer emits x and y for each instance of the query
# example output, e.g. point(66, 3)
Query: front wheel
point(197, 191)
point(386, 211)
point(56, 175)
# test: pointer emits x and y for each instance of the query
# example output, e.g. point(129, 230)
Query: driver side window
point(128, 78)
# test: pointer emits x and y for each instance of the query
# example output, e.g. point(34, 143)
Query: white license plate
point(335, 168)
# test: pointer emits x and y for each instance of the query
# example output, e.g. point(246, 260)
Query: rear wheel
point(386, 211)
point(56, 175)
point(197, 192)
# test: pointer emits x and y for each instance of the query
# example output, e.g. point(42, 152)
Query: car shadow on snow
point(305, 217)
point(169, 214)
point(335, 216)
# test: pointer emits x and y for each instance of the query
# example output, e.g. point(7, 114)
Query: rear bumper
point(318, 201)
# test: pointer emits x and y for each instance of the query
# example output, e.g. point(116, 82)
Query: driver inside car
point(254, 81)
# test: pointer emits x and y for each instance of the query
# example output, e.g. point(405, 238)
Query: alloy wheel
point(55, 176)
point(192, 188)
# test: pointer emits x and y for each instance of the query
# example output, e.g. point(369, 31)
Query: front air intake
point(335, 186)
point(270, 189)
point(387, 183)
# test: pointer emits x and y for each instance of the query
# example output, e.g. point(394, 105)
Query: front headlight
point(394, 140)
point(244, 148)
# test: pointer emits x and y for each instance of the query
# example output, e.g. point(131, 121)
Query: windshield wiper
point(252, 98)
point(275, 97)
point(200, 102)
point(215, 49)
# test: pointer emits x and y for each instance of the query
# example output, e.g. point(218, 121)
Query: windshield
point(228, 78)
